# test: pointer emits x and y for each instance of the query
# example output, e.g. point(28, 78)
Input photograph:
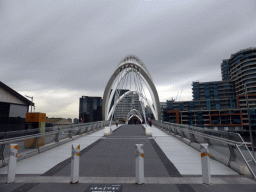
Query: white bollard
point(206, 174)
point(148, 131)
point(107, 131)
point(75, 156)
point(139, 164)
point(12, 163)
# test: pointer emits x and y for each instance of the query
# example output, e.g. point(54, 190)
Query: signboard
point(104, 187)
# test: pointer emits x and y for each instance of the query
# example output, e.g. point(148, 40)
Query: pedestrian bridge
point(176, 157)
point(169, 160)
point(185, 159)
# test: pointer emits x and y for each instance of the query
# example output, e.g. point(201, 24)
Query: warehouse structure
point(13, 109)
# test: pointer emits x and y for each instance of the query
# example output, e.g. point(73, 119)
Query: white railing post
point(12, 163)
point(75, 156)
point(206, 173)
point(139, 164)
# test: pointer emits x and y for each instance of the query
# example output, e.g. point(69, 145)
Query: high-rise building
point(221, 104)
point(214, 95)
point(148, 112)
point(90, 109)
point(242, 70)
point(118, 93)
point(129, 102)
point(76, 121)
point(224, 70)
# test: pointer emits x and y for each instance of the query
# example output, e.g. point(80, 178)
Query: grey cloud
point(76, 45)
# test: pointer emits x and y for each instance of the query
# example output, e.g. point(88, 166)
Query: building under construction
point(221, 104)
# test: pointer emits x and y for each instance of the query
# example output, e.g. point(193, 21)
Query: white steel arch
point(130, 64)
point(122, 97)
point(134, 113)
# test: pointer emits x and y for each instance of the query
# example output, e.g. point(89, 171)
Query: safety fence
point(32, 142)
point(226, 147)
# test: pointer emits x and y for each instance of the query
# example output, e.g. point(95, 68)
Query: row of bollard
point(75, 156)
point(139, 164)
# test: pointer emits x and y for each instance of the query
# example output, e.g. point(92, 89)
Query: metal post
point(248, 111)
point(175, 131)
point(12, 163)
point(70, 134)
point(205, 160)
point(232, 156)
point(57, 137)
point(182, 134)
point(192, 137)
point(31, 103)
point(75, 156)
point(139, 164)
point(207, 140)
point(79, 132)
point(2, 152)
point(37, 143)
point(231, 148)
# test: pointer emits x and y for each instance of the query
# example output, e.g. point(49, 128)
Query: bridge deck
point(185, 158)
point(114, 156)
point(111, 160)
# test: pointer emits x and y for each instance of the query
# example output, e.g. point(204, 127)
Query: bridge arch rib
point(136, 65)
point(134, 113)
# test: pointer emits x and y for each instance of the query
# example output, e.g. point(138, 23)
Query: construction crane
point(178, 95)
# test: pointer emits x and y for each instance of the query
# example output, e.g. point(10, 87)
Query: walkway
point(185, 158)
point(109, 161)
point(42, 162)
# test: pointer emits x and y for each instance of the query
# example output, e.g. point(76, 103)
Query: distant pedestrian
point(150, 122)
point(116, 123)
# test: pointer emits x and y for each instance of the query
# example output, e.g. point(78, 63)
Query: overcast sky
point(57, 51)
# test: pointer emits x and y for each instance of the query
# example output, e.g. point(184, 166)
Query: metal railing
point(31, 142)
point(227, 147)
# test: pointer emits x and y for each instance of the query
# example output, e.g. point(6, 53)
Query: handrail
point(186, 127)
point(246, 162)
point(71, 130)
point(235, 153)
point(15, 139)
point(223, 140)
point(57, 126)
point(53, 132)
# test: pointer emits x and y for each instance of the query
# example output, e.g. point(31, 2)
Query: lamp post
point(31, 101)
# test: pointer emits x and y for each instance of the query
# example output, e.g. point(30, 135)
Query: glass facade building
point(90, 109)
point(221, 104)
point(242, 70)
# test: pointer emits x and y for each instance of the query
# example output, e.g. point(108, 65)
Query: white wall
point(7, 97)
